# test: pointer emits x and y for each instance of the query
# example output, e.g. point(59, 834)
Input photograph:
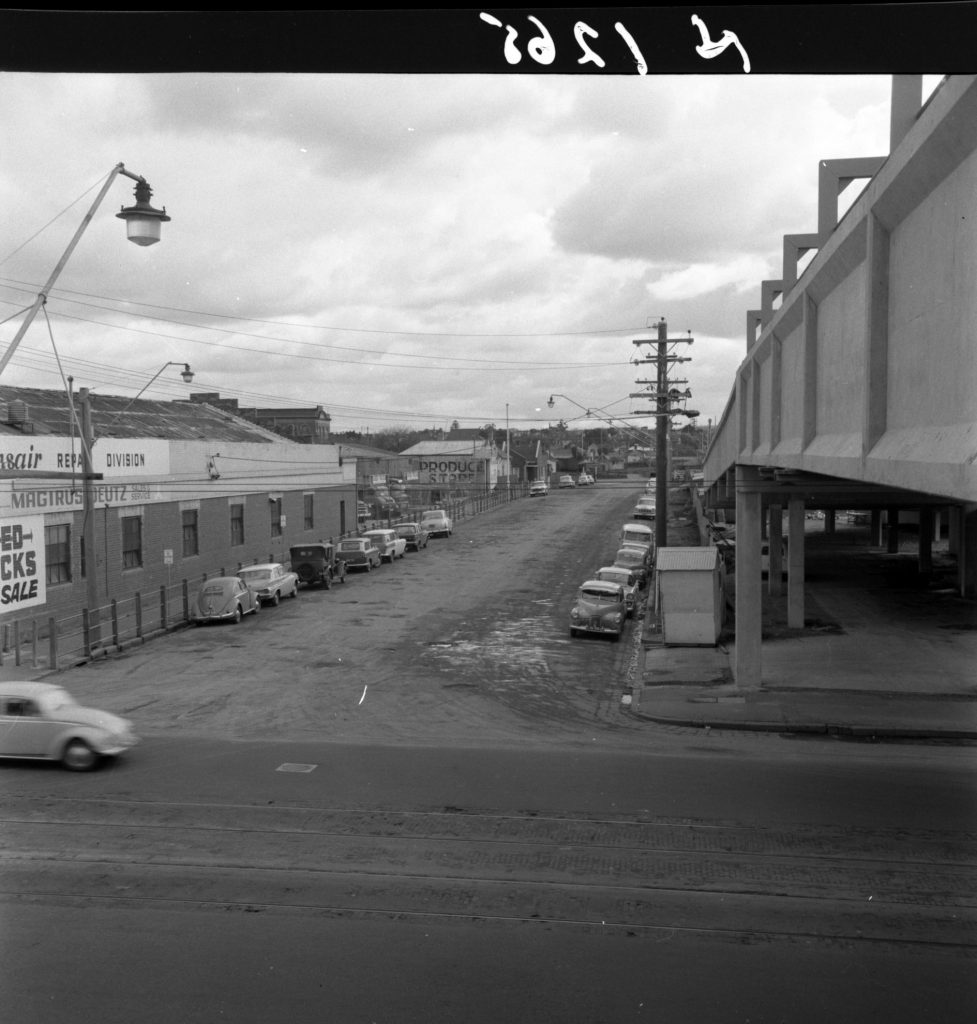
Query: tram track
point(649, 876)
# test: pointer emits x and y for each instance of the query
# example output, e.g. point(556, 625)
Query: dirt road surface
point(465, 641)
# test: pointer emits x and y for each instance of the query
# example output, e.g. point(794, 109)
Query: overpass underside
point(859, 386)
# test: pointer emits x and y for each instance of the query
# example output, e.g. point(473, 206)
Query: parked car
point(646, 507)
point(638, 560)
point(638, 533)
point(585, 480)
point(437, 522)
point(538, 489)
point(415, 536)
point(42, 721)
point(224, 599)
point(388, 543)
point(317, 564)
point(599, 608)
point(627, 579)
point(358, 553)
point(271, 582)
point(566, 481)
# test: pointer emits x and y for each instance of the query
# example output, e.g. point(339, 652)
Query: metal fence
point(52, 643)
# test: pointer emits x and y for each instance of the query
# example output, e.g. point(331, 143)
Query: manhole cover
point(306, 768)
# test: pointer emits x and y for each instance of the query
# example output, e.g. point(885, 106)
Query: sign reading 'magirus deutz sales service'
point(22, 566)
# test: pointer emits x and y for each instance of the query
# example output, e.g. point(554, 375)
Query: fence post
point(52, 643)
point(33, 643)
point(17, 643)
point(137, 597)
point(162, 607)
point(115, 622)
point(186, 601)
point(86, 632)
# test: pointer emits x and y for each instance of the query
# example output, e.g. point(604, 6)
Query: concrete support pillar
point(925, 557)
point(875, 538)
point(967, 559)
point(955, 530)
point(892, 540)
point(747, 667)
point(775, 533)
point(830, 521)
point(795, 563)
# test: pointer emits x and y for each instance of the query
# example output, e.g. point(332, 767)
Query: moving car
point(317, 563)
point(415, 536)
point(538, 489)
point(626, 579)
point(224, 599)
point(585, 480)
point(271, 581)
point(358, 553)
point(388, 543)
point(437, 522)
point(566, 481)
point(42, 721)
point(638, 560)
point(646, 507)
point(599, 608)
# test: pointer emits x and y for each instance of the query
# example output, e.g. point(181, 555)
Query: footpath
point(884, 654)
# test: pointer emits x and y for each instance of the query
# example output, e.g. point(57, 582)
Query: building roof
point(703, 559)
point(478, 446)
point(32, 411)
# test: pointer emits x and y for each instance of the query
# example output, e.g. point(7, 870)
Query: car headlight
point(574, 613)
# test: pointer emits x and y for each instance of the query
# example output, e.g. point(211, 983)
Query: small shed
point(689, 593)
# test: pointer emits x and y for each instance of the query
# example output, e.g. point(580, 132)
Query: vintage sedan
point(625, 578)
point(42, 721)
point(539, 489)
point(638, 560)
point(646, 508)
point(437, 522)
point(414, 535)
point(358, 553)
point(566, 481)
point(599, 608)
point(224, 599)
point(388, 543)
point(585, 480)
point(271, 581)
point(317, 563)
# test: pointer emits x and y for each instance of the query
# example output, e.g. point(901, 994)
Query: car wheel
point(78, 756)
point(369, 566)
point(276, 600)
point(573, 632)
point(238, 614)
point(327, 581)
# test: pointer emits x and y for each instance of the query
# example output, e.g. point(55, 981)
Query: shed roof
point(703, 559)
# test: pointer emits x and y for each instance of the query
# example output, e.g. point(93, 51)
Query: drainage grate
point(306, 768)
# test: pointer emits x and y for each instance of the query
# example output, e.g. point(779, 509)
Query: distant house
point(305, 425)
point(567, 460)
point(530, 461)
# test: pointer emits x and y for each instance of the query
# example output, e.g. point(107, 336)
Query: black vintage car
point(317, 564)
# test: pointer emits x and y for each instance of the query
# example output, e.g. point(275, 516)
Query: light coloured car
point(42, 721)
point(638, 533)
point(388, 543)
point(624, 578)
point(415, 536)
point(638, 560)
point(358, 553)
point(599, 608)
point(585, 480)
point(271, 581)
point(566, 481)
point(646, 508)
point(538, 489)
point(437, 522)
point(224, 599)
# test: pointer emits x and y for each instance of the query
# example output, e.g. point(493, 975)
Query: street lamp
point(142, 227)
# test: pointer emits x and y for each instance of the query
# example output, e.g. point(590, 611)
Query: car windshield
point(255, 575)
point(598, 596)
point(613, 577)
point(350, 545)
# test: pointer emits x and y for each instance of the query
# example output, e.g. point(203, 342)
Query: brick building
point(186, 491)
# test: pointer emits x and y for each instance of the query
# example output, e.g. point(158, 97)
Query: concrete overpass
point(858, 389)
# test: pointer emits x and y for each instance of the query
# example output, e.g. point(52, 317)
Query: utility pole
point(88, 519)
point(665, 396)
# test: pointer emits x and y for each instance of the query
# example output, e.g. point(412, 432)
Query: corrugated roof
point(47, 412)
point(449, 448)
point(686, 559)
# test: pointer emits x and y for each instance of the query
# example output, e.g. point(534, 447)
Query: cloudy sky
point(411, 249)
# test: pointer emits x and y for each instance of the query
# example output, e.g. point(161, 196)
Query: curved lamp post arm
point(49, 284)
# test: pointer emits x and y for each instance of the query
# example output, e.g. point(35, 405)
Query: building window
point(131, 542)
point(237, 525)
point(191, 543)
point(57, 553)
point(276, 516)
point(309, 521)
